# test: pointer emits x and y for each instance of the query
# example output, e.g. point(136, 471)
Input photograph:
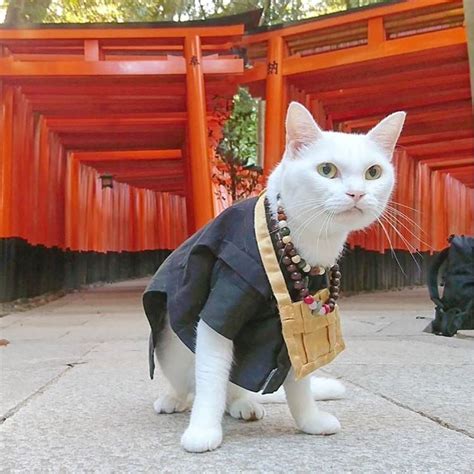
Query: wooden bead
point(289, 246)
point(280, 244)
point(333, 289)
point(292, 268)
point(317, 271)
point(336, 281)
point(299, 285)
point(304, 292)
point(335, 268)
point(336, 274)
point(296, 276)
point(281, 217)
point(291, 252)
point(286, 260)
point(332, 301)
point(280, 210)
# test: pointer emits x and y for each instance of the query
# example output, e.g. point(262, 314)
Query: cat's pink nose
point(356, 196)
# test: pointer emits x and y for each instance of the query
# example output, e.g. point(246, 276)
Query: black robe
point(217, 275)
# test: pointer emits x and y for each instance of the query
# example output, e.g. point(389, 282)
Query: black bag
point(455, 267)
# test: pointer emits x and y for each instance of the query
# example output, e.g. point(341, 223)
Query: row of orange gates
point(138, 102)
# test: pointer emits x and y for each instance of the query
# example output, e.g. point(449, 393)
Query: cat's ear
point(385, 134)
point(301, 129)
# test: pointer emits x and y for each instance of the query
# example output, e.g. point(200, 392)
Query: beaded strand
point(298, 269)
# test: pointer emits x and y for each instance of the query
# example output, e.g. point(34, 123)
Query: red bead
point(281, 216)
point(308, 299)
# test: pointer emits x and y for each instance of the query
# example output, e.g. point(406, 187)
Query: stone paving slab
point(78, 397)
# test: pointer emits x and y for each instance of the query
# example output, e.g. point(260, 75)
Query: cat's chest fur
point(312, 237)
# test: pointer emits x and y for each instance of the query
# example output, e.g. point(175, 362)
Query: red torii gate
point(137, 102)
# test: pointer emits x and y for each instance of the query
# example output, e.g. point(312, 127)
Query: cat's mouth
point(351, 212)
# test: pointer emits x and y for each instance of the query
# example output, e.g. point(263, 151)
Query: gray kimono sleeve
point(231, 303)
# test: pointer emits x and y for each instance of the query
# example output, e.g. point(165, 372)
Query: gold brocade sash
point(312, 340)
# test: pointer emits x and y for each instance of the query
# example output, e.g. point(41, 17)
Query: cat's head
point(345, 179)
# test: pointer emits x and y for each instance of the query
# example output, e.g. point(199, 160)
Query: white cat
point(331, 183)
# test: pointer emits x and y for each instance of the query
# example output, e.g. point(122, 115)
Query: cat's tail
point(322, 388)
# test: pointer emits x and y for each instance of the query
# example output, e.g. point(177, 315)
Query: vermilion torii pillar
point(274, 104)
point(197, 133)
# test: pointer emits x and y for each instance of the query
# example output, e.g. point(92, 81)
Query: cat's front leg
point(302, 406)
point(213, 362)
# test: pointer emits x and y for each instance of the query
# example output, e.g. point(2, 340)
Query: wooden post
point(72, 210)
point(6, 159)
point(197, 133)
point(375, 32)
point(274, 105)
point(469, 22)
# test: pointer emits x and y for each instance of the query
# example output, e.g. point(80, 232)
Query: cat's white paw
point(199, 440)
point(170, 404)
point(245, 409)
point(320, 423)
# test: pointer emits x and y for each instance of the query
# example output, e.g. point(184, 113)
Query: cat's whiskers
point(410, 248)
point(399, 222)
point(305, 223)
point(404, 205)
point(392, 250)
point(410, 220)
point(395, 215)
point(320, 231)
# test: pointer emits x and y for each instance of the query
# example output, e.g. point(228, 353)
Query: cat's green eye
point(328, 170)
point(374, 172)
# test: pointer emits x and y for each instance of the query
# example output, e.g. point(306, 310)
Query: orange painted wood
point(376, 32)
point(352, 17)
point(9, 67)
point(91, 50)
point(274, 105)
point(93, 116)
point(395, 47)
point(129, 155)
point(197, 133)
point(6, 160)
point(123, 33)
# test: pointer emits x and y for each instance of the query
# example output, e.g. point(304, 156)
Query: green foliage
point(83, 11)
point(235, 169)
point(239, 142)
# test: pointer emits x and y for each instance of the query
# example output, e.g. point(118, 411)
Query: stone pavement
point(76, 397)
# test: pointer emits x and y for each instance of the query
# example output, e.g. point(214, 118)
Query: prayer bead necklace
point(298, 269)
